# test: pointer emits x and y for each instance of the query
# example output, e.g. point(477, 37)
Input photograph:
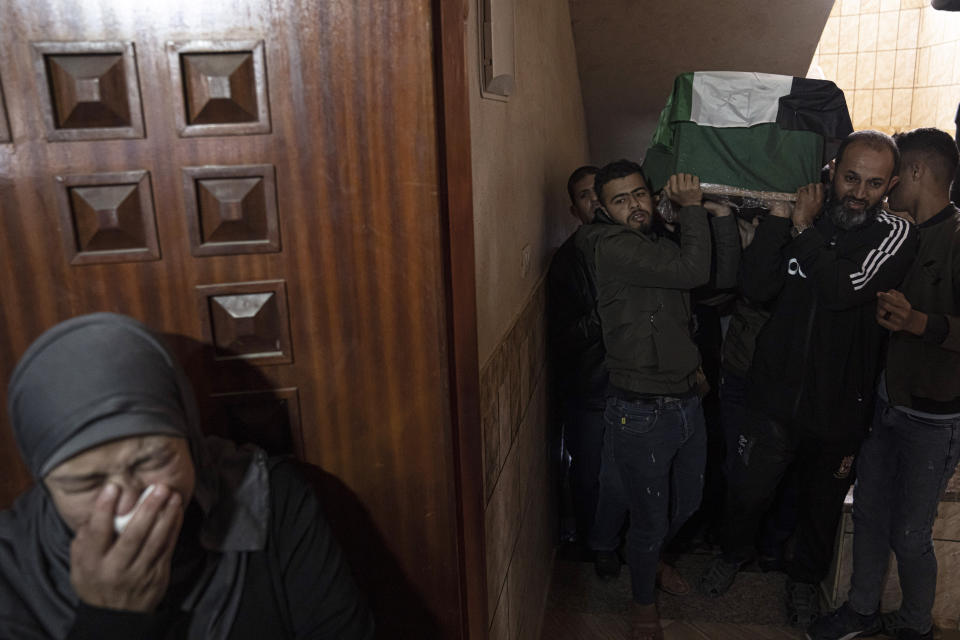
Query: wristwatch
point(799, 228)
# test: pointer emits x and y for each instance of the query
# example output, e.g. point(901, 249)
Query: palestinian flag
point(754, 131)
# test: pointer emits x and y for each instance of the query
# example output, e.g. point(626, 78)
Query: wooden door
point(260, 181)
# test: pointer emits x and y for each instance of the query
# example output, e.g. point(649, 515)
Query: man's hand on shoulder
point(895, 312)
point(684, 189)
point(809, 204)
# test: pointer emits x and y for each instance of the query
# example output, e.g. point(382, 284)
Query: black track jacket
point(819, 357)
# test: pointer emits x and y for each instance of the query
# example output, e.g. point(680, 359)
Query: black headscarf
point(88, 381)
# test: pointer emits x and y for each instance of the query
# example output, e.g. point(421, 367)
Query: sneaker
point(803, 604)
point(893, 625)
point(718, 577)
point(607, 564)
point(843, 624)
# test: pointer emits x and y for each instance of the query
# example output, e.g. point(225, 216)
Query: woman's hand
point(130, 571)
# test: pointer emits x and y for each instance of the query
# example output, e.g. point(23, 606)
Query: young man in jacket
point(817, 360)
point(576, 352)
point(654, 444)
point(913, 447)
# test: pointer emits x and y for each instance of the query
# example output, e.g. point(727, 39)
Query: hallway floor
point(582, 607)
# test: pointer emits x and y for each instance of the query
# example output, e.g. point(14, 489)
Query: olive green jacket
point(643, 297)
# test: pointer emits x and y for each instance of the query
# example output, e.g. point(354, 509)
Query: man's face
point(585, 203)
point(860, 181)
point(628, 201)
point(132, 464)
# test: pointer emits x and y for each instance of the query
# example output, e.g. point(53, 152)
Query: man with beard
point(817, 360)
point(913, 447)
point(576, 351)
point(654, 443)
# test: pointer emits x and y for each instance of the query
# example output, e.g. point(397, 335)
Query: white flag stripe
point(899, 230)
point(735, 99)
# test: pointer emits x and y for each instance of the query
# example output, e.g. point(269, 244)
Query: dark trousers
point(780, 520)
point(765, 450)
point(583, 431)
point(653, 459)
point(902, 471)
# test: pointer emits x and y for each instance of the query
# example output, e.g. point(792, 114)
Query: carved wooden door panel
point(258, 181)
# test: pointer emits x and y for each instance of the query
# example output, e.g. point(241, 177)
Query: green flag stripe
point(677, 109)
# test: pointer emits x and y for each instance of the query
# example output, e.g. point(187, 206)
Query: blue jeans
point(653, 458)
point(902, 471)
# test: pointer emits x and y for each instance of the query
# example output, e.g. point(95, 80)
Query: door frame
point(456, 179)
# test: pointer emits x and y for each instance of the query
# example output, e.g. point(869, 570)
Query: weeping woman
point(227, 544)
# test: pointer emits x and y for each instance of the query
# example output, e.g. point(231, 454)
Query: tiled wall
point(518, 480)
point(946, 543)
point(896, 61)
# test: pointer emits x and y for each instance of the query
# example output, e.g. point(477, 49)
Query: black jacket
point(818, 358)
point(576, 341)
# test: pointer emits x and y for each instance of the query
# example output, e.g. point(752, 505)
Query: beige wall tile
point(849, 7)
point(948, 584)
point(908, 29)
point(922, 77)
point(866, 70)
point(948, 580)
point(900, 109)
point(851, 99)
point(886, 64)
point(867, 39)
point(887, 26)
point(906, 62)
point(882, 100)
point(889, 5)
point(814, 71)
point(914, 4)
point(924, 111)
point(941, 63)
point(931, 28)
point(828, 65)
point(846, 71)
point(502, 526)
point(951, 24)
point(947, 108)
point(849, 33)
point(869, 6)
point(862, 109)
point(956, 71)
point(947, 524)
point(829, 39)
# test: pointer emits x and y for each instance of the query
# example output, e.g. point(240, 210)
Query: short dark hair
point(578, 175)
point(938, 149)
point(876, 140)
point(614, 170)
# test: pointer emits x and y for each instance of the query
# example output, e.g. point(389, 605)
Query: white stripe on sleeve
point(899, 230)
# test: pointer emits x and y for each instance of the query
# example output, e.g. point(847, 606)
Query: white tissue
point(120, 522)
